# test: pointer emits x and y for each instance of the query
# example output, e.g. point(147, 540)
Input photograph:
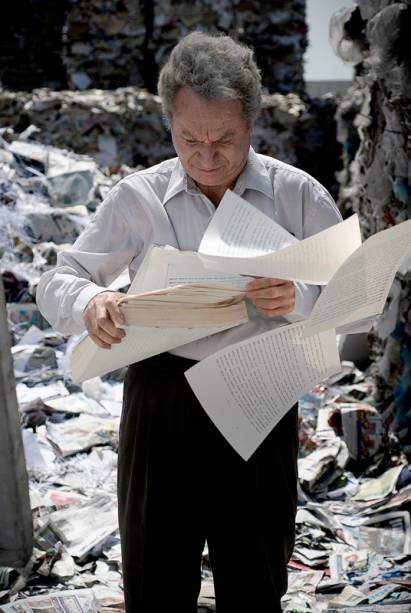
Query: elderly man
point(180, 483)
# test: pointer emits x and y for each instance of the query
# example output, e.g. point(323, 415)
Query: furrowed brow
point(227, 135)
point(187, 134)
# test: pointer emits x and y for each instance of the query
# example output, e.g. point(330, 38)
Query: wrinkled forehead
point(197, 115)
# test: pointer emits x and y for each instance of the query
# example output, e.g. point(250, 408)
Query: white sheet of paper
point(360, 287)
point(241, 239)
point(248, 387)
point(238, 229)
point(171, 267)
point(161, 268)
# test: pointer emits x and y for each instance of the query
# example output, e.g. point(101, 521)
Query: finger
point(103, 322)
point(116, 313)
point(284, 308)
point(274, 304)
point(106, 337)
point(272, 293)
point(277, 312)
point(262, 282)
point(99, 342)
point(108, 326)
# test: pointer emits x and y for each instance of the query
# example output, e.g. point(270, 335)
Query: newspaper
point(71, 601)
point(387, 533)
point(81, 433)
point(374, 608)
point(362, 428)
point(315, 464)
point(380, 487)
point(84, 527)
point(346, 560)
point(397, 500)
point(349, 597)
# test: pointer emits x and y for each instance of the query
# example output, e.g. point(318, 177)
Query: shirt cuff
point(82, 301)
point(305, 297)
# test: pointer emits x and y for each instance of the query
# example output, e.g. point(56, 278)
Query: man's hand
point(273, 297)
point(102, 317)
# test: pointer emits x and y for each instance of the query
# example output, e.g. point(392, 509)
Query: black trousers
point(180, 483)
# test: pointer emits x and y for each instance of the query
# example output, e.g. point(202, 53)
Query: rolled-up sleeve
point(99, 255)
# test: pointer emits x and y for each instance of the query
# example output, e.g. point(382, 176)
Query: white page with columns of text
point(162, 267)
point(241, 239)
point(248, 387)
point(238, 229)
point(360, 287)
point(170, 267)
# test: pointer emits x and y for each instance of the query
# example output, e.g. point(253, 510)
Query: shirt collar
point(254, 176)
point(177, 182)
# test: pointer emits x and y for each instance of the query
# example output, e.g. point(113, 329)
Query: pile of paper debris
point(374, 127)
point(125, 127)
point(82, 44)
point(353, 541)
point(353, 544)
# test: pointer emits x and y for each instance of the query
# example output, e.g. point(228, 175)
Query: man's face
point(211, 138)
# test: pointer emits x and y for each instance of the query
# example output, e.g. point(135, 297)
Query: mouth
point(209, 169)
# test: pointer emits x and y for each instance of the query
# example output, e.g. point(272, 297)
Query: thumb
point(116, 314)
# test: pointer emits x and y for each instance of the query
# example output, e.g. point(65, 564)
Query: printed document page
point(241, 239)
point(238, 229)
point(248, 387)
point(160, 268)
point(360, 287)
point(170, 267)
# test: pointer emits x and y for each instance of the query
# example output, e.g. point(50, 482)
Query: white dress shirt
point(162, 205)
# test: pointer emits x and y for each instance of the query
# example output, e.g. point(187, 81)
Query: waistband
point(166, 361)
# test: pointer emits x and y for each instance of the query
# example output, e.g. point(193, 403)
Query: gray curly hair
point(216, 67)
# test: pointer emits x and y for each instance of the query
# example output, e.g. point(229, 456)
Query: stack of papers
point(185, 306)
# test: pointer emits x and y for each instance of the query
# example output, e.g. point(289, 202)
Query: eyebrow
point(228, 134)
point(187, 134)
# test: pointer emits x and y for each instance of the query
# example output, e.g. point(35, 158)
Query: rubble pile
point(301, 131)
point(104, 43)
point(47, 196)
point(31, 45)
point(353, 542)
point(122, 126)
point(125, 127)
point(83, 44)
point(275, 30)
point(351, 551)
point(374, 127)
point(60, 153)
point(117, 44)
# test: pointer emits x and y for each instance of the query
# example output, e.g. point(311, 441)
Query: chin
point(209, 178)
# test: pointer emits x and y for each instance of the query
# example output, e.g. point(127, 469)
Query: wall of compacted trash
point(82, 44)
point(60, 154)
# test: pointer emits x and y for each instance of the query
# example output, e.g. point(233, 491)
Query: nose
point(208, 156)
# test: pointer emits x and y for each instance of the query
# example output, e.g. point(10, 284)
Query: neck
point(215, 193)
